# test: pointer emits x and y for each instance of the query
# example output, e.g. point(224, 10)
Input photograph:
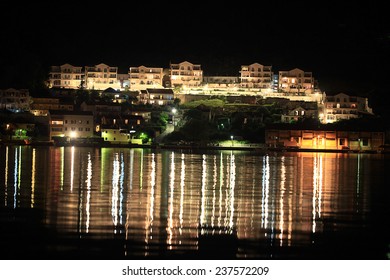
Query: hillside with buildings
point(97, 104)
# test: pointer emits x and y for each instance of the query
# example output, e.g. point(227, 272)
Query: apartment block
point(296, 81)
point(15, 100)
point(41, 106)
point(66, 76)
point(343, 107)
point(101, 77)
point(159, 97)
point(256, 76)
point(143, 77)
point(71, 124)
point(186, 74)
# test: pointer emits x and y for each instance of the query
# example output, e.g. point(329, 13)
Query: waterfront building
point(116, 135)
point(71, 124)
point(327, 139)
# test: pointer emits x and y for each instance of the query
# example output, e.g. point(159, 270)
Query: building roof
point(109, 90)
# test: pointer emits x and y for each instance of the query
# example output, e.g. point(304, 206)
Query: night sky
point(345, 45)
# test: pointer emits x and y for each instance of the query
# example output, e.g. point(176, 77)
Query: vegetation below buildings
point(205, 121)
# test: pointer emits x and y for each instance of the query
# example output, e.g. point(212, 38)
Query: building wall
point(256, 76)
point(143, 77)
point(101, 77)
point(344, 107)
point(221, 82)
point(15, 99)
point(320, 139)
point(66, 76)
point(296, 81)
point(41, 106)
point(72, 126)
point(116, 135)
point(186, 74)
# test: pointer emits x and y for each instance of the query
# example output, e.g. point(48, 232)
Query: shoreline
point(261, 148)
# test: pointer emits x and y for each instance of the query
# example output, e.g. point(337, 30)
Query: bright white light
point(174, 110)
point(73, 134)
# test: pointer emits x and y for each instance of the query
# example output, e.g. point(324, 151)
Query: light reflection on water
point(173, 202)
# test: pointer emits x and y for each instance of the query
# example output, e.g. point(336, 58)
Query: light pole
point(231, 138)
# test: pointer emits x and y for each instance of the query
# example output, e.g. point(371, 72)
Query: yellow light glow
point(73, 134)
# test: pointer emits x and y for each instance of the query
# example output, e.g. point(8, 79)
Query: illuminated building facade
point(343, 107)
point(256, 76)
point(66, 76)
point(143, 77)
point(156, 96)
point(296, 81)
point(71, 124)
point(186, 74)
point(101, 77)
point(116, 135)
point(325, 139)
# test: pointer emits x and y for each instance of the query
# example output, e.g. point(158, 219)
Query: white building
point(256, 76)
point(296, 81)
point(66, 76)
point(186, 74)
point(101, 77)
point(71, 124)
point(143, 77)
point(343, 107)
point(157, 96)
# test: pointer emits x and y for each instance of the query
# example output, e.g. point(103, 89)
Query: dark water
point(114, 203)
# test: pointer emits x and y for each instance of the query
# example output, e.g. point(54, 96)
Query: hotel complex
point(186, 78)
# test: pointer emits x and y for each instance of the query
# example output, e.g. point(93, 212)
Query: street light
point(231, 138)
point(174, 111)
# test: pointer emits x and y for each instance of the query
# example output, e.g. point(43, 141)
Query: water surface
point(121, 203)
